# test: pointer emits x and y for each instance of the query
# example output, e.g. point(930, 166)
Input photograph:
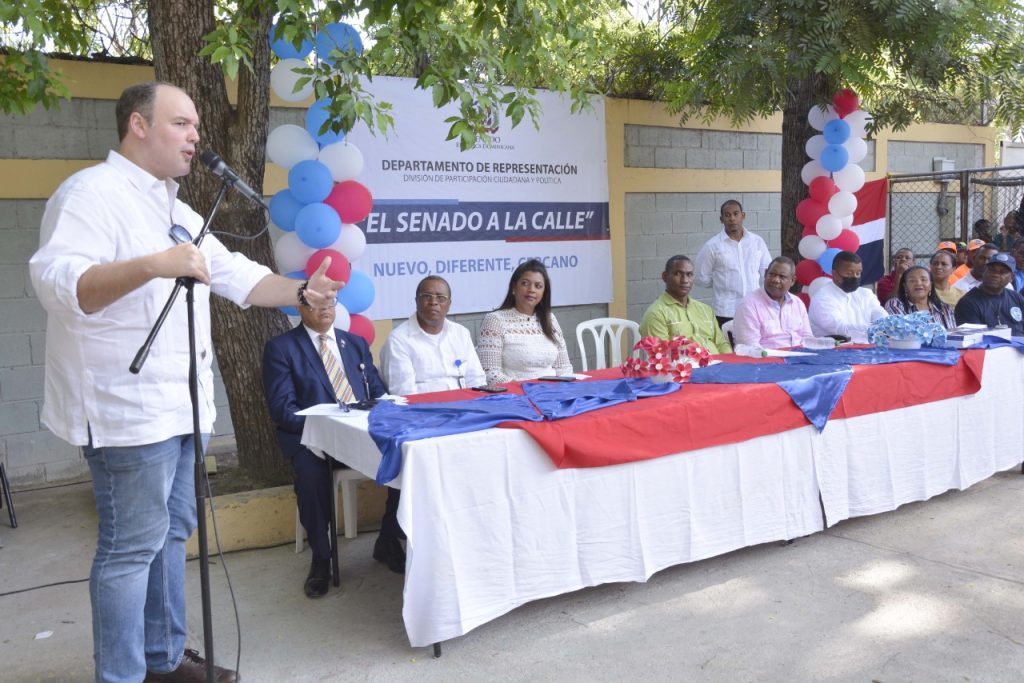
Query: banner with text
point(472, 217)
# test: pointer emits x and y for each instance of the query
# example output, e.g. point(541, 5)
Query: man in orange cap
point(961, 271)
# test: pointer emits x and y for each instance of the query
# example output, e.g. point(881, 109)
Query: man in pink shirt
point(770, 317)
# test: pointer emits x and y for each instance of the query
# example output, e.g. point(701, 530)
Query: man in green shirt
point(675, 314)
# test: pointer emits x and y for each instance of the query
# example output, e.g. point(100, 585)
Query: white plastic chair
point(606, 331)
point(347, 480)
point(727, 331)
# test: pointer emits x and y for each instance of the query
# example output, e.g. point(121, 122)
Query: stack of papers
point(969, 334)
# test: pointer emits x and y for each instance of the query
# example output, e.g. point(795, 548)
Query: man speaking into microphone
point(114, 237)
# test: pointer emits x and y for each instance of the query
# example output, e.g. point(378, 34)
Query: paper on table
point(332, 409)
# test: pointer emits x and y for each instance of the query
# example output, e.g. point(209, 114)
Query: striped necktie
point(342, 389)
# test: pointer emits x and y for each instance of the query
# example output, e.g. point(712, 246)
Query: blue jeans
point(145, 499)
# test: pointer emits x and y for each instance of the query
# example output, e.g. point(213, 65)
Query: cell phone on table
point(557, 378)
point(491, 389)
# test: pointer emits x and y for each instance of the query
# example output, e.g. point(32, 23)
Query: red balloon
point(362, 326)
point(821, 189)
point(340, 268)
point(809, 211)
point(809, 231)
point(845, 102)
point(351, 200)
point(805, 297)
point(847, 241)
point(807, 270)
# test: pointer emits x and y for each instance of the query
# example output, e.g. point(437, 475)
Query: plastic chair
point(605, 331)
point(727, 331)
point(347, 480)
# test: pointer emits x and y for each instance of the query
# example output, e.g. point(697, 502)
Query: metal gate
point(926, 208)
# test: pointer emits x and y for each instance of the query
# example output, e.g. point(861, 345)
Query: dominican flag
point(869, 224)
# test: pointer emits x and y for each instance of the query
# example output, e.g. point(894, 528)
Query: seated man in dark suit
point(312, 364)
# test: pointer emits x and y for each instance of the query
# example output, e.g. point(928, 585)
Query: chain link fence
point(926, 208)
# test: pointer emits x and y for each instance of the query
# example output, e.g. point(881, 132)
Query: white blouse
point(512, 347)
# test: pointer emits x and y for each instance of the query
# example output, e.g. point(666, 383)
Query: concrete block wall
point(660, 225)
point(916, 157)
point(664, 147)
point(80, 129)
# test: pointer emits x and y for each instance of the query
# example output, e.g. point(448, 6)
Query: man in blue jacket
point(312, 364)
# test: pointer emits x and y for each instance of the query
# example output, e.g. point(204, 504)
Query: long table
point(493, 524)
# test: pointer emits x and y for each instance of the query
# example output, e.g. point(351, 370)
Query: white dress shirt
point(834, 311)
point(731, 268)
point(415, 362)
point(116, 211)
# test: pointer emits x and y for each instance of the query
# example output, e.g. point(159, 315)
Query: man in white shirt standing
point(842, 307)
point(107, 261)
point(428, 352)
point(731, 262)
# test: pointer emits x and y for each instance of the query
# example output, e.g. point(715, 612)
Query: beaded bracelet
point(302, 294)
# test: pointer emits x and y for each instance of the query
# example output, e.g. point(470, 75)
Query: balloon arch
point(323, 202)
point(832, 177)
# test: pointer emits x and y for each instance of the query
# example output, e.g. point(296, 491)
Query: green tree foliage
point(743, 59)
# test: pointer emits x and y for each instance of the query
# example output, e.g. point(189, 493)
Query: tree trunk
point(796, 131)
point(238, 134)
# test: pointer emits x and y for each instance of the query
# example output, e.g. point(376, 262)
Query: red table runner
point(702, 415)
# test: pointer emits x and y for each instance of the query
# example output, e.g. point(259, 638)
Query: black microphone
point(366, 382)
point(220, 169)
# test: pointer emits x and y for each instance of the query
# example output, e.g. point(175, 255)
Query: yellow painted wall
point(38, 178)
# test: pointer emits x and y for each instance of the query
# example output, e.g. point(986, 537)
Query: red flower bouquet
point(673, 359)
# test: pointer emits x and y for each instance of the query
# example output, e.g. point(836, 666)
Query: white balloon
point(289, 144)
point(857, 149)
point(344, 159)
point(858, 121)
point(818, 116)
point(811, 247)
point(811, 170)
point(817, 284)
point(828, 227)
point(342, 320)
point(842, 204)
point(850, 178)
point(351, 242)
point(290, 253)
point(283, 78)
point(846, 221)
point(815, 145)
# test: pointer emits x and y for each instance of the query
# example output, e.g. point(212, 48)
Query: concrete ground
point(931, 592)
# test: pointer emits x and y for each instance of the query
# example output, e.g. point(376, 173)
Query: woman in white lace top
point(522, 340)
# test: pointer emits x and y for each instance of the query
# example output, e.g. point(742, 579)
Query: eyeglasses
point(180, 234)
point(427, 298)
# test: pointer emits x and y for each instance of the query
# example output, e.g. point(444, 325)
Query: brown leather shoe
point(192, 669)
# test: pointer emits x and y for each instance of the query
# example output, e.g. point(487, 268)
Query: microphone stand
point(193, 390)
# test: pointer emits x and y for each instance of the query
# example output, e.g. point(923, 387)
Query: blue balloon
point(297, 275)
point(338, 36)
point(283, 207)
point(310, 181)
point(826, 258)
point(836, 132)
point(316, 116)
point(289, 310)
point(834, 158)
point(284, 49)
point(317, 225)
point(357, 294)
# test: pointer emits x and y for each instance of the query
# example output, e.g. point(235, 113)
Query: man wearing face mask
point(842, 307)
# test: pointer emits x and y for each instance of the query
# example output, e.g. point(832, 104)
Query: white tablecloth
point(492, 524)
